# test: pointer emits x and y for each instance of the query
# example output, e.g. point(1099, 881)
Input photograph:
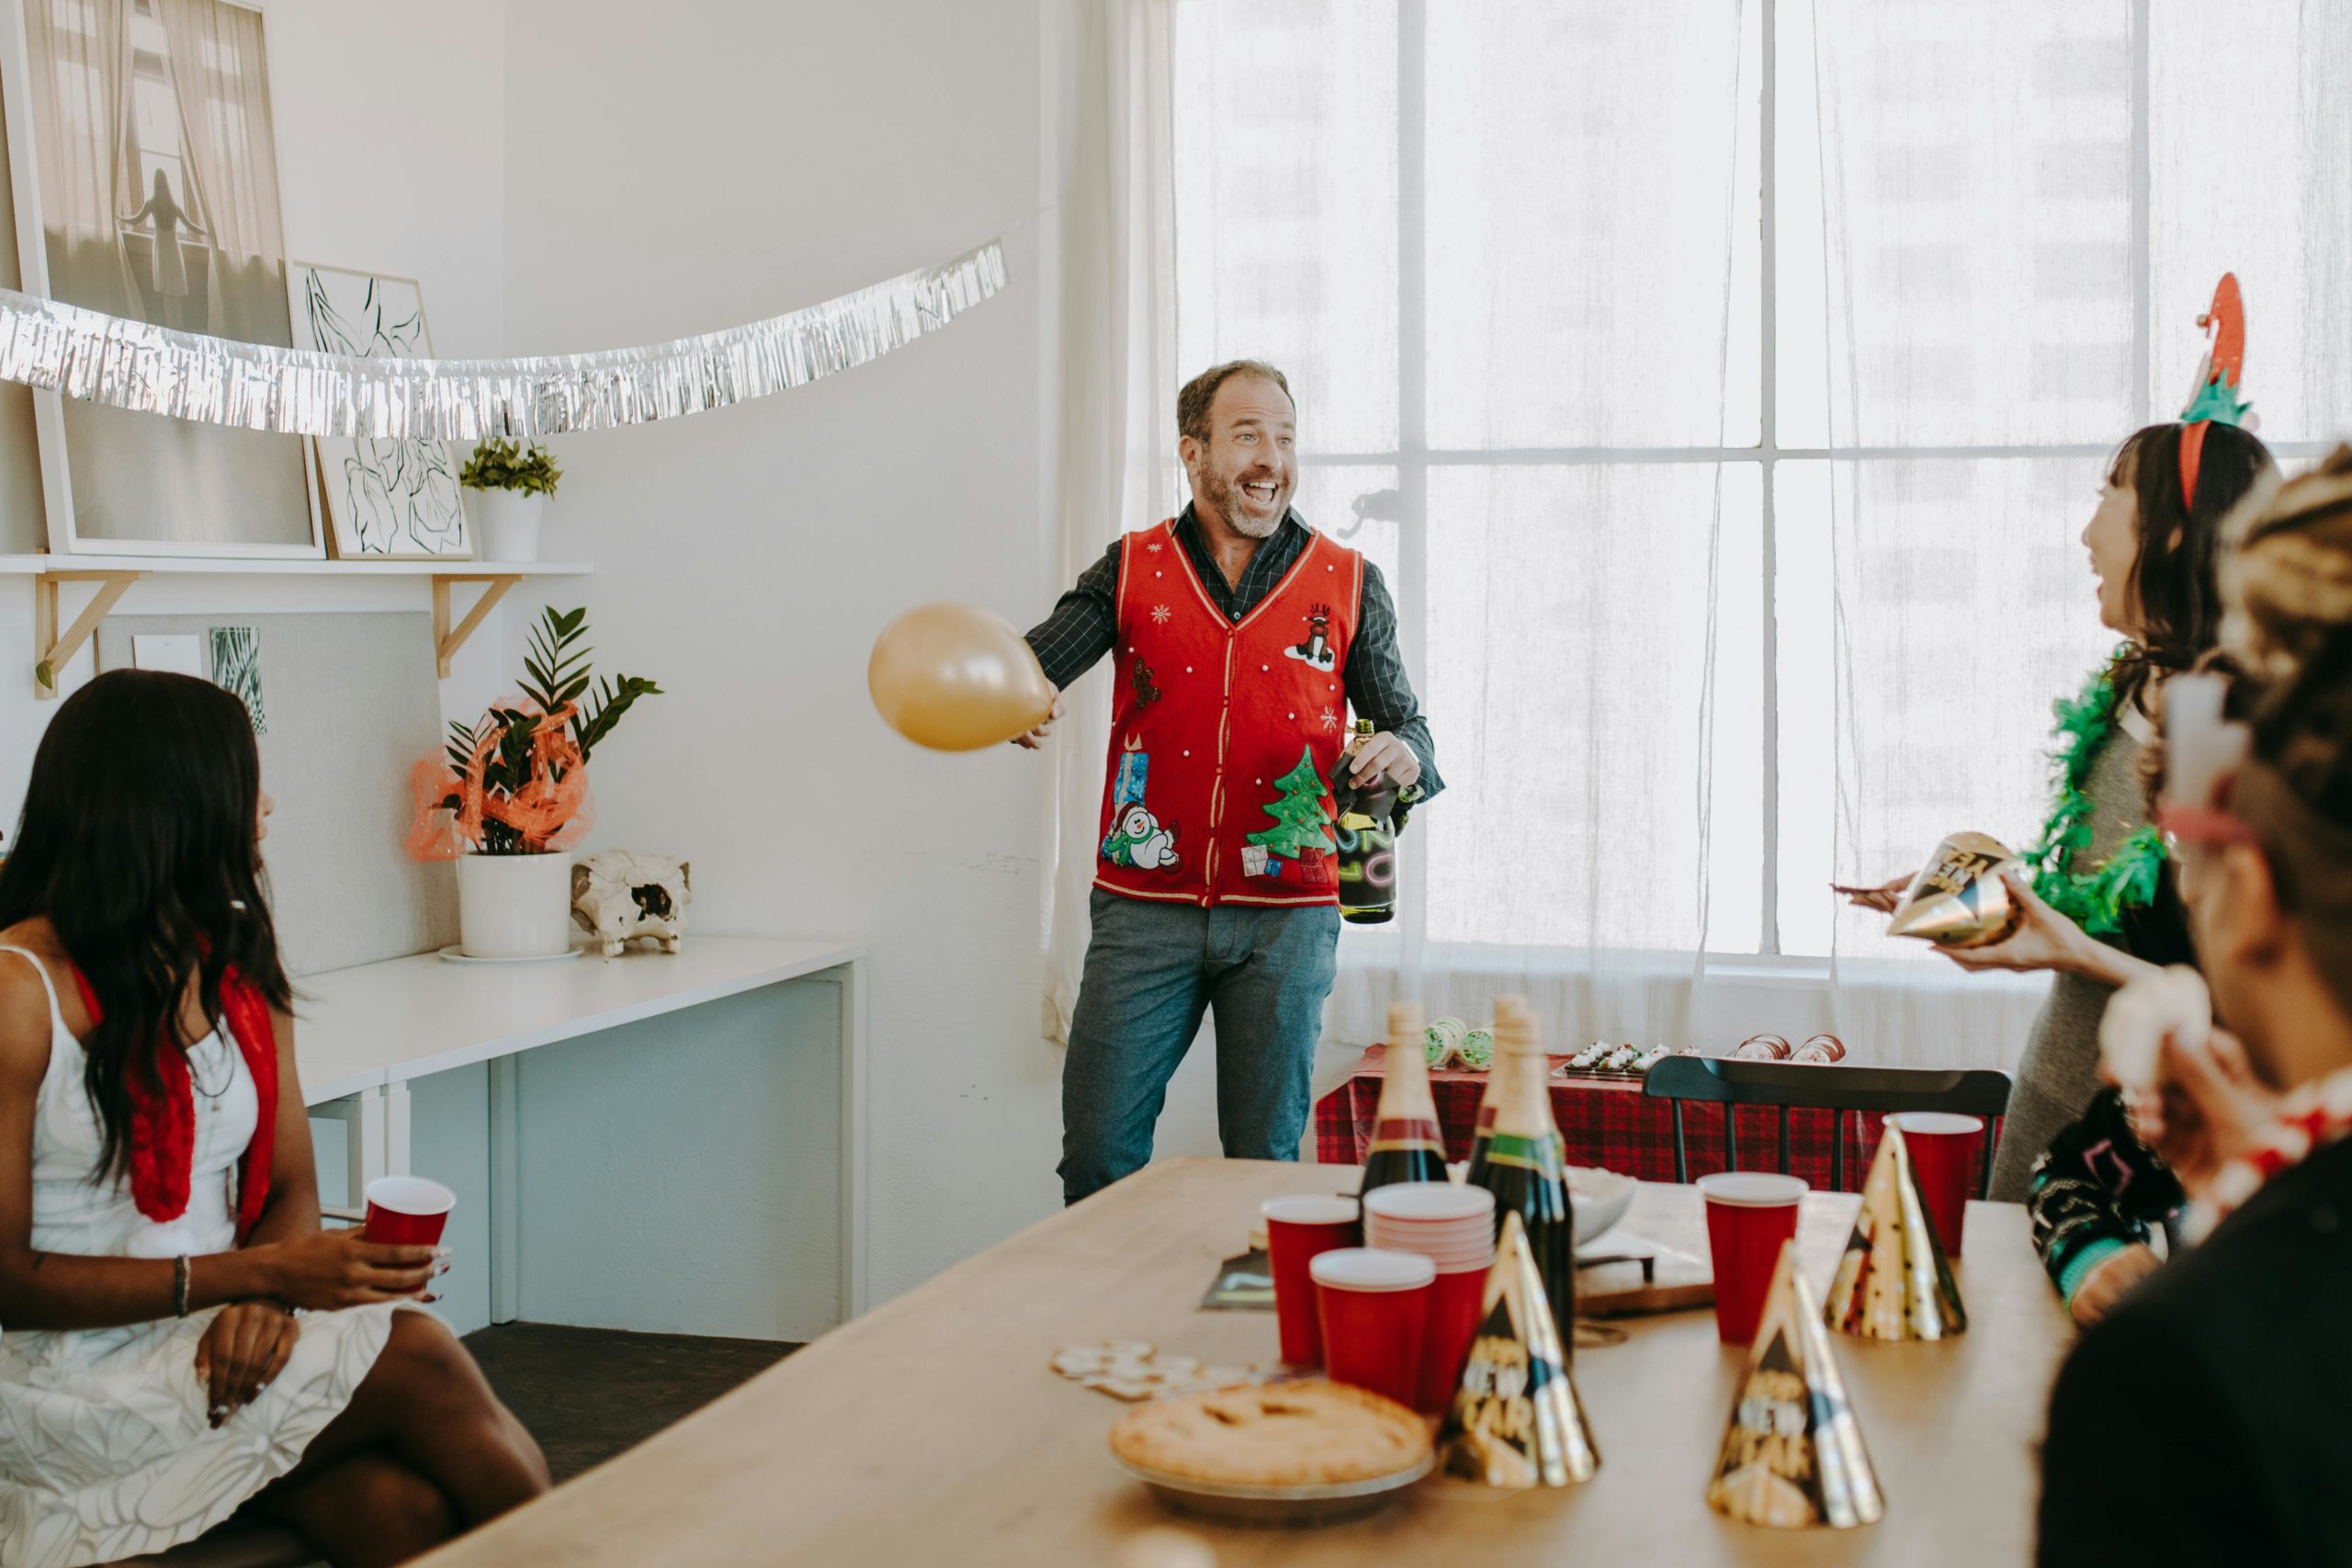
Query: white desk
point(364, 1034)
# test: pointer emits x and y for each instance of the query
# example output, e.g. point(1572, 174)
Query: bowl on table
point(1600, 1199)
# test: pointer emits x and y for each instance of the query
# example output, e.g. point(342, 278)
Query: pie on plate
point(1312, 1432)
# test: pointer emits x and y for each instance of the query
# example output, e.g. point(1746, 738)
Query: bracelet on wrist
point(179, 1285)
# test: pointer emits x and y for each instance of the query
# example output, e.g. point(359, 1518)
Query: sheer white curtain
point(1957, 208)
point(1730, 482)
point(1496, 247)
point(222, 69)
point(1119, 377)
point(79, 55)
point(1999, 223)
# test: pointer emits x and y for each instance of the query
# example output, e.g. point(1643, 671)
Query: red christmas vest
point(1224, 734)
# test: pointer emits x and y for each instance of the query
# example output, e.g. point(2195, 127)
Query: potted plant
point(509, 796)
point(511, 483)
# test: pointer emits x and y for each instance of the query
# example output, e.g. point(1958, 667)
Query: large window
point(1722, 387)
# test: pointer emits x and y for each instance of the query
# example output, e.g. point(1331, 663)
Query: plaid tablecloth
point(1607, 1122)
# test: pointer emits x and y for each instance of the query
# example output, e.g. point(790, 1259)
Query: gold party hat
point(1893, 1281)
point(1515, 1421)
point(1792, 1453)
point(1959, 901)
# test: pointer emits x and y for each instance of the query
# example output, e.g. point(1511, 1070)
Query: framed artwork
point(143, 164)
point(236, 668)
point(384, 499)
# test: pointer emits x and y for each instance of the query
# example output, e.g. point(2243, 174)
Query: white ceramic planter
point(514, 905)
point(506, 524)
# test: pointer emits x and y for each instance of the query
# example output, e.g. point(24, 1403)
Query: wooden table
point(930, 1430)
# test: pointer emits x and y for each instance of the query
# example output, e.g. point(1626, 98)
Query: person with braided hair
point(2213, 1395)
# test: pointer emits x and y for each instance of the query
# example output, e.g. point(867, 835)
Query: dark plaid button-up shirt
point(1084, 627)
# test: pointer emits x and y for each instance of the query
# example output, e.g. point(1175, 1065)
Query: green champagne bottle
point(1407, 1143)
point(1498, 1078)
point(1366, 826)
point(1523, 1168)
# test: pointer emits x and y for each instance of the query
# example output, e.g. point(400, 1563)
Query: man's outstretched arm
point(1084, 627)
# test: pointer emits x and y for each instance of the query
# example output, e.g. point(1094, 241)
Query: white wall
point(579, 174)
point(391, 137)
point(735, 160)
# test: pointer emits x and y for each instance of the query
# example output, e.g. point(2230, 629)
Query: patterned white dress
point(105, 1450)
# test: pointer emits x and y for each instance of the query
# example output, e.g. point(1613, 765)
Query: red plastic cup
point(406, 1210)
point(1375, 1311)
point(1750, 1215)
point(1298, 1230)
point(1946, 1150)
point(1454, 1302)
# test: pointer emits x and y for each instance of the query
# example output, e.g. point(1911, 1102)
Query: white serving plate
point(1277, 1508)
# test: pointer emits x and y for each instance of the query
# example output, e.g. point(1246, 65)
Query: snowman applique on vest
point(1224, 733)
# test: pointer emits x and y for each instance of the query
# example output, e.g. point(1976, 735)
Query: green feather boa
point(2095, 899)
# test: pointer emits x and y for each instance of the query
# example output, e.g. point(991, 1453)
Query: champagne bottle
point(1523, 1168)
point(1407, 1143)
point(1497, 1085)
point(1368, 818)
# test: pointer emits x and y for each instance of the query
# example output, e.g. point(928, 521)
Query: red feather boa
point(163, 1111)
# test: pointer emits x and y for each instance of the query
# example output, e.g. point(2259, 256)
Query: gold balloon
point(954, 678)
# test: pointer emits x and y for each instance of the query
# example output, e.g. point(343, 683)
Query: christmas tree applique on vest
point(1299, 847)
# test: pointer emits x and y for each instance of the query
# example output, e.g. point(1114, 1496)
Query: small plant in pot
point(512, 484)
point(509, 796)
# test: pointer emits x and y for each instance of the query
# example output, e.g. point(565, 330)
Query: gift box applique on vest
point(1225, 733)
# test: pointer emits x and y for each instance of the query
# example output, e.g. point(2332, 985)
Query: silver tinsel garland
point(132, 365)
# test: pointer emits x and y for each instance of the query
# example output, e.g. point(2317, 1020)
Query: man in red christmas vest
point(1241, 638)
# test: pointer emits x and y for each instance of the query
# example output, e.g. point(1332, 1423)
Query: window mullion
point(1411, 594)
point(2143, 260)
point(1769, 444)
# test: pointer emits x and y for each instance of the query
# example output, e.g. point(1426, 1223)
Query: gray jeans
point(1152, 969)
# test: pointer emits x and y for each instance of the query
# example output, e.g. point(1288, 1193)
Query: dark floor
point(587, 1393)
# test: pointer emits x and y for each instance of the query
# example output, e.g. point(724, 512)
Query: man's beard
point(1220, 495)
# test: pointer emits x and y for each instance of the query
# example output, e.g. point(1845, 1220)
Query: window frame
point(1414, 457)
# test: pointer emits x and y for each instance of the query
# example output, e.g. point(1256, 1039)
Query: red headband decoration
point(2215, 401)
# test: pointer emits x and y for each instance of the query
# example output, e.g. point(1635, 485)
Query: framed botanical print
point(384, 499)
point(143, 167)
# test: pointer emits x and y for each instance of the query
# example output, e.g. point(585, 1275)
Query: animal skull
point(618, 896)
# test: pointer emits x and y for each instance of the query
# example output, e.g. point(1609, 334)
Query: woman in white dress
point(170, 271)
point(178, 1339)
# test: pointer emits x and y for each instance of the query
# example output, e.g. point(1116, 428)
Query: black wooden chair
point(1721, 1080)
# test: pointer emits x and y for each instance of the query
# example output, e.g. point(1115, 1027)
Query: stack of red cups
point(1454, 1227)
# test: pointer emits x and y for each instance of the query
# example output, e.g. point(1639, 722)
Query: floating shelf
point(239, 566)
point(113, 576)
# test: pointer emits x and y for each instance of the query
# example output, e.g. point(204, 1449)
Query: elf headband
point(2215, 401)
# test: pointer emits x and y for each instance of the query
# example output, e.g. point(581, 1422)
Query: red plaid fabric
point(1610, 1124)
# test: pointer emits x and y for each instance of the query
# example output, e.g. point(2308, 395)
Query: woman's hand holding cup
point(336, 1269)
